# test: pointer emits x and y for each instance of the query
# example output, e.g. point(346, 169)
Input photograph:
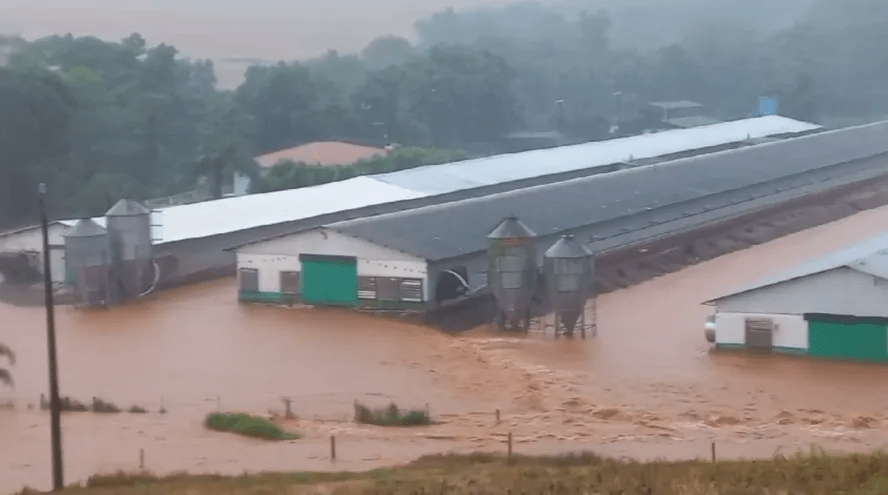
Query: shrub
point(390, 416)
point(247, 425)
point(100, 406)
point(138, 410)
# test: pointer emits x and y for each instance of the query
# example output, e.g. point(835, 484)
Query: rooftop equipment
point(512, 272)
point(88, 261)
point(569, 270)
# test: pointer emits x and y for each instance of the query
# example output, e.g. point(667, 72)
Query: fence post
point(141, 458)
point(713, 451)
point(497, 416)
point(332, 447)
point(509, 454)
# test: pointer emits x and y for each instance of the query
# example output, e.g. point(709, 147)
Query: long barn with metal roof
point(190, 239)
point(606, 211)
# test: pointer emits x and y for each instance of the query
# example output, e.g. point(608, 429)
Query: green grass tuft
point(247, 425)
point(390, 416)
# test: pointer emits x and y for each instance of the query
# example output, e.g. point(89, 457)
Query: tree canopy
point(97, 120)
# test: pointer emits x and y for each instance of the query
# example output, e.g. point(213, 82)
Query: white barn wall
point(276, 255)
point(270, 267)
point(791, 331)
point(327, 242)
point(32, 240)
point(400, 269)
point(840, 291)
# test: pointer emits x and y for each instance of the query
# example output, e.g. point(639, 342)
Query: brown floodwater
point(646, 386)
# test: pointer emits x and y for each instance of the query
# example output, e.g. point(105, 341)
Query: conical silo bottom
point(569, 319)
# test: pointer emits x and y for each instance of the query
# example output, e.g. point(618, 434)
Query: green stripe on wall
point(266, 297)
point(278, 298)
point(797, 351)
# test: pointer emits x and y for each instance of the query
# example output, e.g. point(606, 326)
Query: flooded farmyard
point(646, 386)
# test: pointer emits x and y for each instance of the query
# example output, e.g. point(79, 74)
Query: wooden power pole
point(58, 481)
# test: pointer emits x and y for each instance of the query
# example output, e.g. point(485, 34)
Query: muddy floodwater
point(646, 386)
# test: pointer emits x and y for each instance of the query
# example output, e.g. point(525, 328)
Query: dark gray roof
point(460, 228)
point(127, 208)
point(86, 228)
point(568, 247)
point(511, 228)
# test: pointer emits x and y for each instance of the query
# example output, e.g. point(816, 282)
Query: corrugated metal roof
point(436, 179)
point(454, 229)
point(255, 210)
point(869, 256)
point(232, 214)
point(191, 221)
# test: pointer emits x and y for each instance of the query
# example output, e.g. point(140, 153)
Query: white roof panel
point(869, 256)
point(221, 216)
point(438, 179)
point(255, 210)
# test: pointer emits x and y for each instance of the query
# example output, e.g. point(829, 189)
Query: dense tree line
point(98, 120)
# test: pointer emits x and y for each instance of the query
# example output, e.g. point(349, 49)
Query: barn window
point(290, 283)
point(248, 279)
point(388, 288)
point(759, 333)
point(367, 288)
point(411, 290)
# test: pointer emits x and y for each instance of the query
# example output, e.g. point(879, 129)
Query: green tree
point(385, 51)
point(35, 113)
point(292, 105)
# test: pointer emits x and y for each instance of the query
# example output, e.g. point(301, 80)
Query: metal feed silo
point(568, 267)
point(129, 227)
point(88, 261)
point(512, 271)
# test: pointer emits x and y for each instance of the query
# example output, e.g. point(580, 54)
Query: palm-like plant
point(5, 375)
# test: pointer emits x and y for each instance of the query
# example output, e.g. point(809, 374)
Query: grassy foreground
point(811, 474)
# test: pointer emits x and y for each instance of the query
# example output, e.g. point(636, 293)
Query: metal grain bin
point(88, 260)
point(512, 271)
point(129, 227)
point(568, 267)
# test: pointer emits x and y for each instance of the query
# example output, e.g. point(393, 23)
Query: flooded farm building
point(443, 248)
point(832, 307)
point(190, 241)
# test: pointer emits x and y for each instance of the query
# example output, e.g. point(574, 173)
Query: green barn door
point(864, 340)
point(329, 280)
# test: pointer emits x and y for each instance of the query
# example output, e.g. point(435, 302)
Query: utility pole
point(58, 482)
